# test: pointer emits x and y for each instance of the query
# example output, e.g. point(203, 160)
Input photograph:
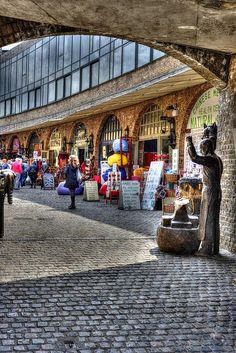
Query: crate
point(171, 178)
point(168, 208)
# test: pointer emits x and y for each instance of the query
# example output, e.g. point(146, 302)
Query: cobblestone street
point(93, 280)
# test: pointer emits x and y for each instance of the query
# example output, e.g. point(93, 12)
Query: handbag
point(78, 176)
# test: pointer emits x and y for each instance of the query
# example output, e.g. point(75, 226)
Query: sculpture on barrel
point(209, 232)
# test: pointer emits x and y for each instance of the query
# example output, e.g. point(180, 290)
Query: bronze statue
point(209, 232)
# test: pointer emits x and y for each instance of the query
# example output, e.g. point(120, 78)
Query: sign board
point(129, 195)
point(205, 110)
point(153, 181)
point(48, 181)
point(175, 160)
point(91, 191)
point(104, 166)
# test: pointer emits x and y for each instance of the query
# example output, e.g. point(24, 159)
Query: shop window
point(111, 130)
point(151, 123)
point(55, 140)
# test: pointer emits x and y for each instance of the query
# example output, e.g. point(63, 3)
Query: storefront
point(34, 148)
point(15, 148)
point(153, 137)
point(205, 111)
point(80, 142)
point(55, 146)
point(111, 131)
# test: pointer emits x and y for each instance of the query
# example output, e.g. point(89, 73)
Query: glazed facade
point(55, 68)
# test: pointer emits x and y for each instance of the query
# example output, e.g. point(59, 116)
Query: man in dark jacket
point(33, 172)
point(73, 177)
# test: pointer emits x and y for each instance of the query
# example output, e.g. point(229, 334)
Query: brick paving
point(93, 280)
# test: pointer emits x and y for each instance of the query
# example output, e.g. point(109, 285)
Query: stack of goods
point(120, 160)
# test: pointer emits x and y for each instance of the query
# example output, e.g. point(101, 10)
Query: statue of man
point(209, 230)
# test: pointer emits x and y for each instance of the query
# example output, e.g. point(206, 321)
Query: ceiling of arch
point(199, 23)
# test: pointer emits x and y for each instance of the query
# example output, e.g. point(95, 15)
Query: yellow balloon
point(116, 158)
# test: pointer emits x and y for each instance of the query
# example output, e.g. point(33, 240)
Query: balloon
point(116, 145)
point(116, 158)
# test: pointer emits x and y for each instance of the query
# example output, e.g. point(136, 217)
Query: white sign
point(104, 167)
point(153, 181)
point(129, 195)
point(175, 160)
point(91, 191)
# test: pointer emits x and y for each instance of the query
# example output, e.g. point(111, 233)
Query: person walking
point(17, 169)
point(25, 168)
point(73, 178)
point(32, 172)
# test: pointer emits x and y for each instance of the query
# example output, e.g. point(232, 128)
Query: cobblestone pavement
point(93, 280)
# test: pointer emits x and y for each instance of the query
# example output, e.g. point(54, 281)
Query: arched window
point(79, 137)
point(34, 140)
point(110, 132)
point(151, 123)
point(111, 129)
point(55, 140)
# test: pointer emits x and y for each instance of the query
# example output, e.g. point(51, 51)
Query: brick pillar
point(226, 149)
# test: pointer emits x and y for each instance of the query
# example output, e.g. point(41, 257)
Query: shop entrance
point(153, 137)
point(80, 144)
point(111, 131)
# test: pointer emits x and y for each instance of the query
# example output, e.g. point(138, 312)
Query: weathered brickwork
point(227, 150)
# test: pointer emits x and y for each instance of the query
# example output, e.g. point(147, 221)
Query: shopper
point(33, 172)
point(17, 169)
point(73, 178)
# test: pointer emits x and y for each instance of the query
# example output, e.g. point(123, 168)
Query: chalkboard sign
point(153, 181)
point(129, 195)
point(91, 191)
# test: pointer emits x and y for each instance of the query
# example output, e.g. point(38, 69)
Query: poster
point(129, 195)
point(153, 181)
point(91, 191)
